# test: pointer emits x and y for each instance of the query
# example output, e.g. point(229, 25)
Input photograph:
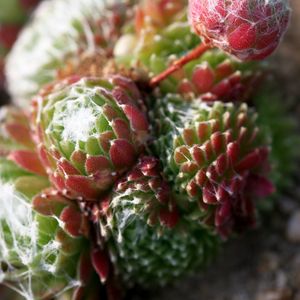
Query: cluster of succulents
point(133, 148)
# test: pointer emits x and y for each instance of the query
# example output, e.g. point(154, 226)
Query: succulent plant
point(42, 233)
point(203, 82)
point(152, 46)
point(44, 245)
point(216, 154)
point(45, 239)
point(144, 192)
point(247, 29)
point(77, 28)
point(146, 40)
point(149, 242)
point(214, 77)
point(90, 131)
point(139, 151)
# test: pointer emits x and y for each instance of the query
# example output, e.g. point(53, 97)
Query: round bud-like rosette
point(247, 29)
point(45, 244)
point(149, 243)
point(90, 131)
point(217, 156)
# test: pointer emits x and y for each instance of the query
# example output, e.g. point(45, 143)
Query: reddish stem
point(178, 64)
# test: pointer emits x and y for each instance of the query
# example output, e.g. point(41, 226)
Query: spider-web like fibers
point(260, 24)
point(126, 207)
point(59, 29)
point(19, 246)
point(74, 117)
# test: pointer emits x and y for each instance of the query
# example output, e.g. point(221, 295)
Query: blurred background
point(264, 264)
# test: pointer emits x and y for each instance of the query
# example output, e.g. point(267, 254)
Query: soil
point(264, 264)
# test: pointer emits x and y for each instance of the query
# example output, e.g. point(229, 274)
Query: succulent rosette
point(216, 154)
point(214, 77)
point(62, 32)
point(90, 131)
point(151, 46)
point(40, 246)
point(44, 237)
point(247, 29)
point(149, 242)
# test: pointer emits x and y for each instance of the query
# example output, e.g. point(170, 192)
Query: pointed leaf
point(122, 154)
point(137, 119)
point(49, 203)
point(83, 186)
point(72, 218)
point(28, 160)
point(100, 263)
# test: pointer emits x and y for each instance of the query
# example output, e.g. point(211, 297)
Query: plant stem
point(178, 64)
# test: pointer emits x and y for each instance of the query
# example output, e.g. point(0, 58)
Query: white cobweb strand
point(77, 124)
point(19, 239)
point(17, 221)
point(48, 39)
point(76, 114)
point(16, 213)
